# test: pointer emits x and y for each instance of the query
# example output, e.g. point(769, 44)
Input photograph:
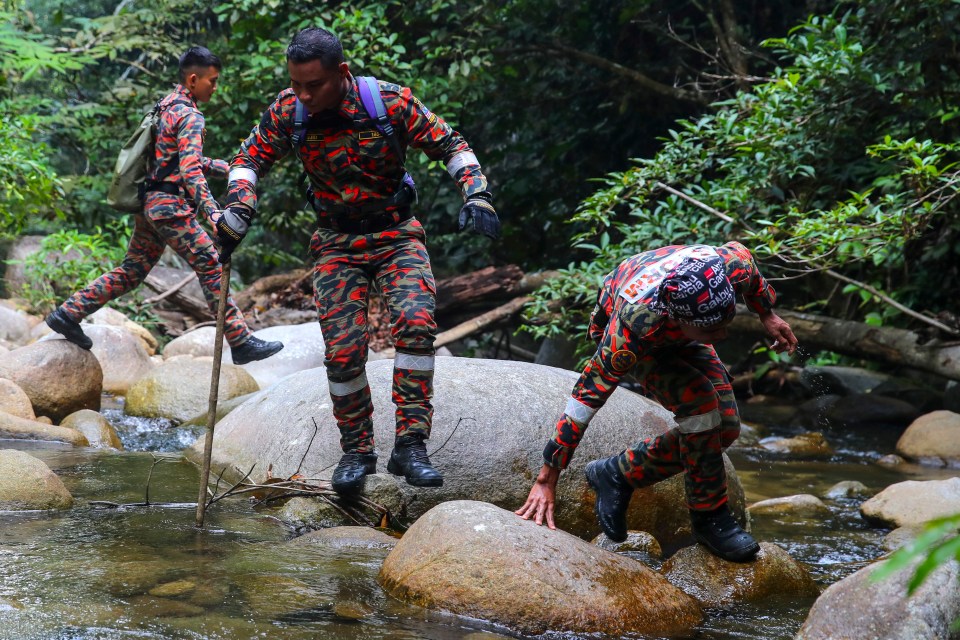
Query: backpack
point(373, 104)
point(130, 171)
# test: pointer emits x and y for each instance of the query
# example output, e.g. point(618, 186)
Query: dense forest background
point(821, 134)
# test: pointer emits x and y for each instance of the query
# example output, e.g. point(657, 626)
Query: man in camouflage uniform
point(366, 236)
point(175, 188)
point(657, 317)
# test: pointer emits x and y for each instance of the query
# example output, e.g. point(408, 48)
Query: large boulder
point(95, 428)
point(59, 377)
point(197, 343)
point(913, 502)
point(718, 583)
point(26, 484)
point(491, 421)
point(179, 389)
point(112, 317)
point(122, 356)
point(861, 607)
point(302, 349)
point(474, 559)
point(20, 429)
point(933, 438)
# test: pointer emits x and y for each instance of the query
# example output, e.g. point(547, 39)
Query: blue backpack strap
point(372, 102)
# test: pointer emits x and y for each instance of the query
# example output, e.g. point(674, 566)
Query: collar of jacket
point(183, 91)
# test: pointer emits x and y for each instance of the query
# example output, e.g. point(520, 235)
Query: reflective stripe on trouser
point(167, 222)
point(353, 409)
point(344, 267)
point(691, 382)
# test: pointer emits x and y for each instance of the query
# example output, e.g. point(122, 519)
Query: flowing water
point(83, 573)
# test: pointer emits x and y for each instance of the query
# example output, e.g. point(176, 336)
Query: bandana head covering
point(697, 292)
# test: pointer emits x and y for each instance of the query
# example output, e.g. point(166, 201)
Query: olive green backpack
point(130, 172)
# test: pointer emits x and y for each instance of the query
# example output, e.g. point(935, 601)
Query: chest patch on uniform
point(370, 135)
point(623, 360)
point(314, 137)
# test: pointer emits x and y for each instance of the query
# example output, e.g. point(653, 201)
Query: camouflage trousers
point(691, 382)
point(166, 221)
point(345, 268)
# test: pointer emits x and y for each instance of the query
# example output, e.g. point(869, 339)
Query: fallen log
point(162, 281)
point(889, 345)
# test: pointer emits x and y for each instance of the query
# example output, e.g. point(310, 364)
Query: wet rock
point(197, 343)
point(801, 505)
point(223, 408)
point(39, 429)
point(890, 460)
point(529, 578)
point(750, 435)
point(951, 396)
point(9, 604)
point(208, 594)
point(347, 538)
point(812, 414)
point(847, 489)
point(924, 398)
point(57, 376)
point(26, 484)
point(95, 428)
point(114, 318)
point(866, 410)
point(768, 410)
point(136, 577)
point(312, 513)
point(351, 610)
point(14, 326)
point(901, 537)
point(913, 502)
point(180, 389)
point(385, 489)
point(122, 357)
point(151, 607)
point(173, 589)
point(805, 445)
point(14, 400)
point(637, 542)
point(272, 595)
point(715, 582)
point(275, 428)
point(302, 349)
point(932, 439)
point(860, 607)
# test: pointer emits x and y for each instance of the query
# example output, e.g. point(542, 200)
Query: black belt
point(367, 224)
point(169, 188)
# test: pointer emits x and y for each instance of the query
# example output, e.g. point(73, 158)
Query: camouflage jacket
point(627, 330)
point(346, 159)
point(180, 146)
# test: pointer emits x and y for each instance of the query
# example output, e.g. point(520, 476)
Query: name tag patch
point(370, 135)
point(314, 138)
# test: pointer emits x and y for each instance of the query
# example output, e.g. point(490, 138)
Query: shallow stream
point(81, 573)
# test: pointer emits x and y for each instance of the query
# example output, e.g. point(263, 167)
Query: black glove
point(231, 228)
point(478, 215)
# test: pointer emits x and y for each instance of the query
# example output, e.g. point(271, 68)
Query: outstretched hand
point(778, 329)
point(540, 502)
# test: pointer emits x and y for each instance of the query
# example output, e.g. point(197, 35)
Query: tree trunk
point(898, 347)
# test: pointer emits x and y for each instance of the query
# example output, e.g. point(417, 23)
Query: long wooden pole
point(214, 393)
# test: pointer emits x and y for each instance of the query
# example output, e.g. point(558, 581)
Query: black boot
point(409, 459)
point(352, 470)
point(613, 496)
point(719, 532)
point(254, 349)
point(59, 322)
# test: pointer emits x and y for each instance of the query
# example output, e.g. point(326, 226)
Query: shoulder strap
point(372, 102)
point(299, 125)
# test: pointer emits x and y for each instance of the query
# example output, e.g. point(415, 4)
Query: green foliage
point(28, 186)
point(820, 168)
point(69, 260)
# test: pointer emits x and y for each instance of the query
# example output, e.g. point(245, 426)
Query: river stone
point(806, 445)
point(196, 343)
point(97, 430)
point(860, 607)
point(637, 542)
point(477, 560)
point(913, 502)
point(801, 505)
point(173, 589)
point(866, 410)
point(347, 538)
point(27, 484)
point(59, 377)
point(312, 513)
point(21, 429)
point(272, 595)
point(121, 354)
point(933, 438)
point(302, 349)
point(848, 489)
point(842, 381)
point(112, 317)
point(14, 400)
point(494, 417)
point(147, 607)
point(717, 583)
point(134, 577)
point(14, 326)
point(902, 536)
point(179, 389)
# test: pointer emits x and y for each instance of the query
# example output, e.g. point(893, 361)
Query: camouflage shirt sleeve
point(190, 131)
point(746, 278)
point(422, 129)
point(267, 143)
point(215, 168)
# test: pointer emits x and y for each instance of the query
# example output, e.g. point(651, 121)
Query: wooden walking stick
point(214, 393)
